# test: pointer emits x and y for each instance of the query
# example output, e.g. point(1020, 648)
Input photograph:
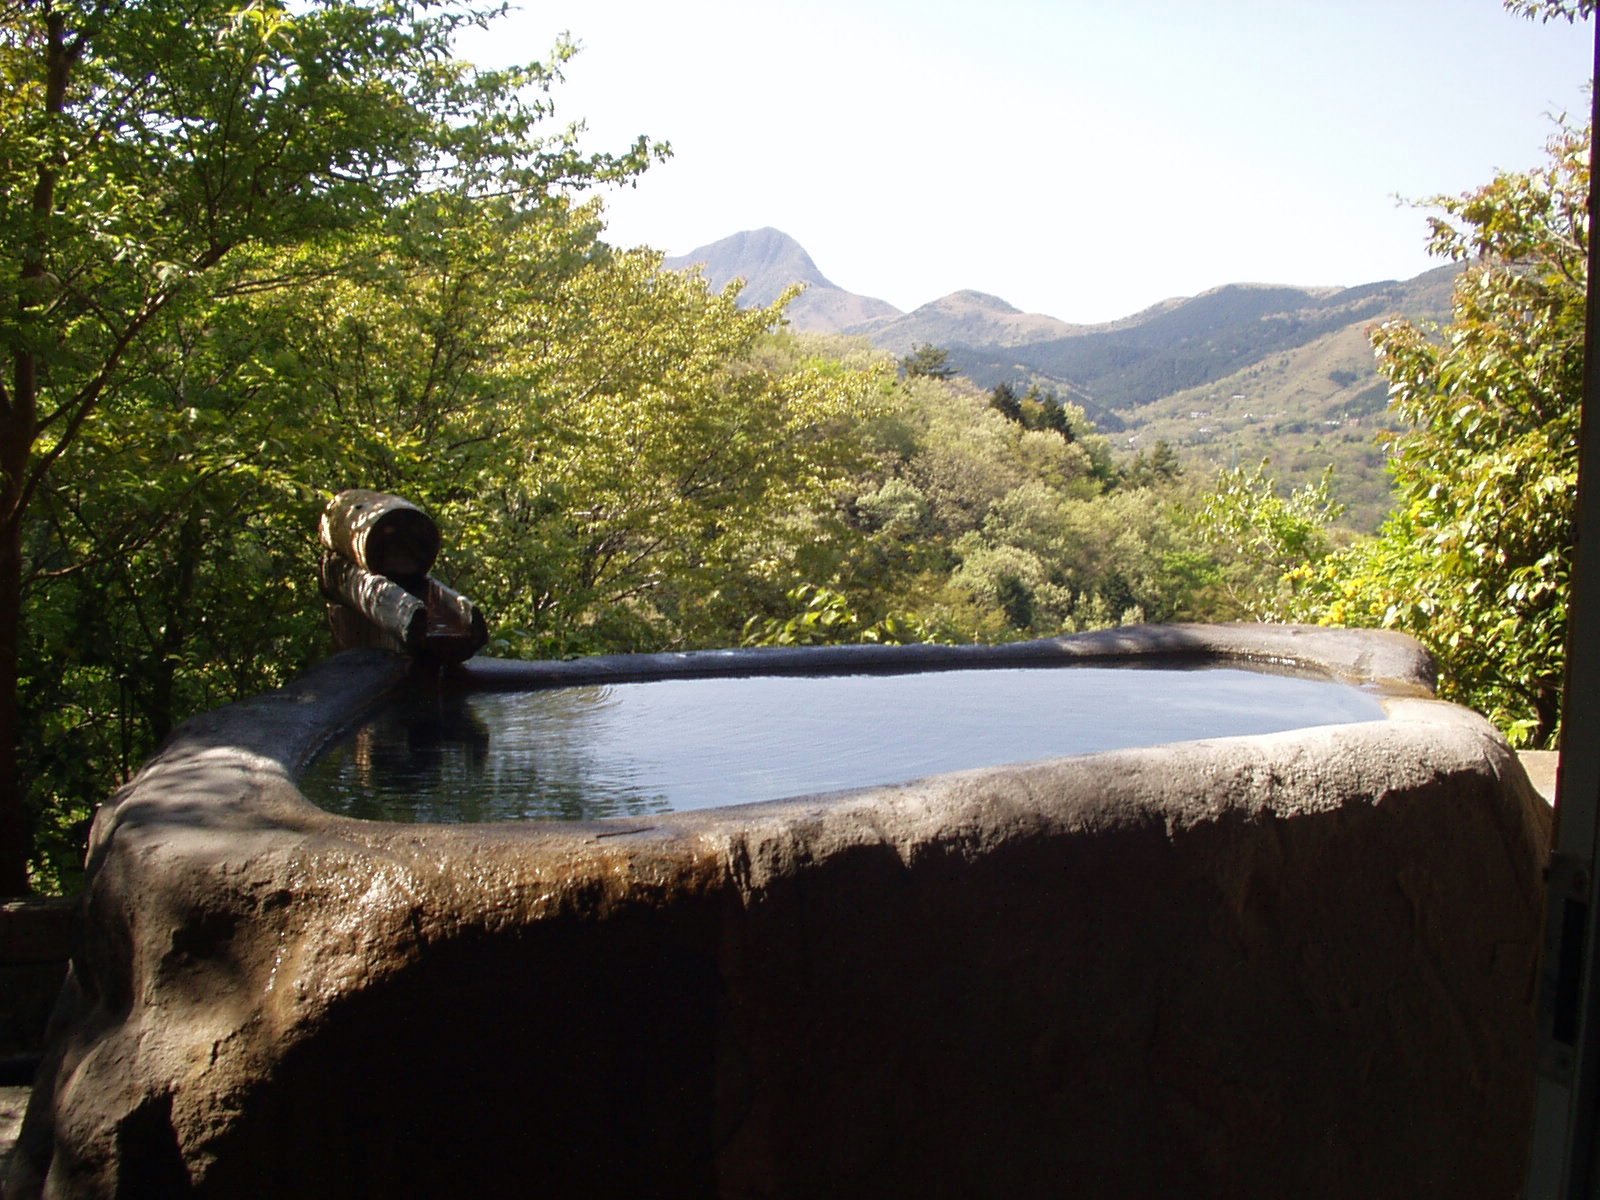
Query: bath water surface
point(631, 749)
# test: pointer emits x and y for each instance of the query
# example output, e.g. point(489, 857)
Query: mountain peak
point(968, 298)
point(770, 261)
point(767, 259)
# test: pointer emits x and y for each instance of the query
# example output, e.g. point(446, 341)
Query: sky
point(1081, 158)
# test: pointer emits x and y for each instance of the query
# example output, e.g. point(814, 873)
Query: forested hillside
point(1192, 343)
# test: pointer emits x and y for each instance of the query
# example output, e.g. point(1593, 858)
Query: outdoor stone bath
point(1293, 964)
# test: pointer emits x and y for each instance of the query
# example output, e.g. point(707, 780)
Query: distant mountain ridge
point(1111, 368)
point(967, 318)
point(1200, 340)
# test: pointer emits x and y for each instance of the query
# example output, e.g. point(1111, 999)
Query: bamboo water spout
point(379, 549)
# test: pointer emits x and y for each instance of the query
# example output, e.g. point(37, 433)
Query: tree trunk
point(14, 842)
point(18, 432)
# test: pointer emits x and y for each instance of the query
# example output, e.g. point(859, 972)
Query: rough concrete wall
point(1292, 965)
point(1242, 1002)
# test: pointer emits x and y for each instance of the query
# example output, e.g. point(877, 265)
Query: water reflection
point(426, 758)
point(640, 748)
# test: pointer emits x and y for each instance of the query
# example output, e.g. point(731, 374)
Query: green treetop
point(929, 361)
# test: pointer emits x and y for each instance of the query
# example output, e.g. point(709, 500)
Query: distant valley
point(1235, 374)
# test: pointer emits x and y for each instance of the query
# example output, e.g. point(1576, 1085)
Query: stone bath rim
point(341, 691)
point(289, 727)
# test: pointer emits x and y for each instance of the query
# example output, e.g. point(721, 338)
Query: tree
point(153, 158)
point(1256, 536)
point(929, 361)
point(1570, 11)
point(1004, 400)
point(675, 450)
point(1159, 467)
point(1476, 560)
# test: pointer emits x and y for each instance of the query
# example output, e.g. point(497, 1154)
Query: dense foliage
point(159, 167)
point(1476, 560)
point(968, 522)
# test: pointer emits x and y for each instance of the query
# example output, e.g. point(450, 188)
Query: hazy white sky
point(1081, 158)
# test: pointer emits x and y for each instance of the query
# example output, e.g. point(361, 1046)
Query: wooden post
point(386, 604)
point(430, 620)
